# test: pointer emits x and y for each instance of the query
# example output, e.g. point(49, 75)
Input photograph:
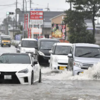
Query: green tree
point(77, 28)
point(84, 9)
point(90, 8)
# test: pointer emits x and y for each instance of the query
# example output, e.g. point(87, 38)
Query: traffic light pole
point(7, 22)
point(16, 14)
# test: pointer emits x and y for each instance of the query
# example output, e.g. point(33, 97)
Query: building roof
point(29, 39)
point(57, 16)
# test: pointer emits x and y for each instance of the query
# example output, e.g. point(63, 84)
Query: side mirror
point(16, 46)
point(19, 45)
point(36, 47)
point(34, 63)
point(50, 51)
point(70, 55)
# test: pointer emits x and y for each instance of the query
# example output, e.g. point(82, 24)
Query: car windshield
point(14, 59)
point(4, 38)
point(88, 52)
point(47, 45)
point(29, 44)
point(62, 50)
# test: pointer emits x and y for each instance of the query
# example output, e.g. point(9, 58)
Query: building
point(46, 27)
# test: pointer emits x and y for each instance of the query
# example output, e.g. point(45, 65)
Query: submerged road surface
point(51, 88)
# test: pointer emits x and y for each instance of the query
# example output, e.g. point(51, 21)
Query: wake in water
point(93, 73)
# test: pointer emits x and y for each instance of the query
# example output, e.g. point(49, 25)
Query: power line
point(8, 4)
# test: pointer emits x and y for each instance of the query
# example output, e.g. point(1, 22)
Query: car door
point(35, 69)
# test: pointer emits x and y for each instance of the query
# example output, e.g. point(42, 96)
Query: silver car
point(83, 56)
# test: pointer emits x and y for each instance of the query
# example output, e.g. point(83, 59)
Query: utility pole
point(70, 5)
point(23, 19)
point(30, 4)
point(16, 14)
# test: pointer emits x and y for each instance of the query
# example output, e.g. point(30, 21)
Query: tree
point(90, 8)
point(77, 27)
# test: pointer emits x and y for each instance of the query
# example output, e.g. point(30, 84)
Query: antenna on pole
point(48, 9)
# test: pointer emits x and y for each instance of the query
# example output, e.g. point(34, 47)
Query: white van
point(59, 56)
point(83, 56)
point(28, 46)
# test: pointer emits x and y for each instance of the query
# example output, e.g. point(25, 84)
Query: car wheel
point(40, 78)
point(32, 78)
point(9, 45)
point(1, 45)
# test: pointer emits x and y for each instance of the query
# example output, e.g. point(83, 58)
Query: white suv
point(29, 46)
point(83, 56)
point(59, 56)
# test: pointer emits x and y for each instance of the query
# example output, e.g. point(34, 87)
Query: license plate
point(82, 72)
point(62, 67)
point(4, 44)
point(7, 77)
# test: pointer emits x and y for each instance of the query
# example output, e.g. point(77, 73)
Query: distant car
point(83, 56)
point(59, 56)
point(19, 68)
point(5, 40)
point(29, 46)
point(44, 45)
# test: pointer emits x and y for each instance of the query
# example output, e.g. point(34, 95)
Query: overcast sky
point(54, 5)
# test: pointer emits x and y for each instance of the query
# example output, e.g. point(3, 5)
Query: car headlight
point(41, 53)
point(23, 51)
point(24, 71)
point(55, 59)
point(78, 64)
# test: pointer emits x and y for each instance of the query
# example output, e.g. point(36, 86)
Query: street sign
point(36, 15)
point(29, 32)
point(37, 22)
point(26, 21)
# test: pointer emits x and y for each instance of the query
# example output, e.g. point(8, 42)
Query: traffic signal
point(10, 13)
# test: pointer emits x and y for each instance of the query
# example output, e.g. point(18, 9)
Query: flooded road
point(54, 86)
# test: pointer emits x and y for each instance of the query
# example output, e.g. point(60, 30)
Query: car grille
point(13, 80)
point(88, 65)
point(63, 63)
point(83, 68)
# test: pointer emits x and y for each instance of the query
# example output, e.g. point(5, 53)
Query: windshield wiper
point(84, 54)
point(96, 55)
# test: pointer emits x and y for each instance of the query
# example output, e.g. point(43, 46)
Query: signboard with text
point(58, 31)
point(26, 22)
point(36, 15)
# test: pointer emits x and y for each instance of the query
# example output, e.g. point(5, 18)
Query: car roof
point(5, 36)
point(14, 54)
point(86, 45)
point(29, 39)
point(63, 44)
point(48, 39)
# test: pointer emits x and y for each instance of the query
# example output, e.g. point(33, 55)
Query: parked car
point(44, 46)
point(59, 56)
point(83, 56)
point(5, 40)
point(29, 46)
point(19, 68)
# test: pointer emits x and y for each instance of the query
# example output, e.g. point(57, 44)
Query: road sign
point(26, 21)
point(36, 15)
point(36, 22)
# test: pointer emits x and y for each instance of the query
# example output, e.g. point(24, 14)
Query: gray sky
point(54, 5)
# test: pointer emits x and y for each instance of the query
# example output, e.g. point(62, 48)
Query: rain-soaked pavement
point(54, 86)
